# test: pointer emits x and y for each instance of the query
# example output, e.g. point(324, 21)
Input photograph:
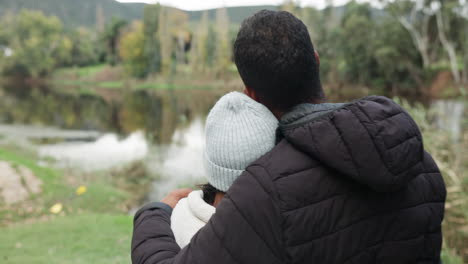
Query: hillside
point(83, 12)
point(76, 13)
point(236, 14)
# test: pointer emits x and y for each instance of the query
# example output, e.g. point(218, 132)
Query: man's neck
point(279, 113)
point(307, 111)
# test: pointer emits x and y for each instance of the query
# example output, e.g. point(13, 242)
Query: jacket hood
point(372, 140)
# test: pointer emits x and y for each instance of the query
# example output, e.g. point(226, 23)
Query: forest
point(409, 48)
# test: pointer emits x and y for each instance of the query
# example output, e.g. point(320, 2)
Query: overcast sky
point(207, 4)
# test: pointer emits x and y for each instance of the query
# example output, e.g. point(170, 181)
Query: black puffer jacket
point(353, 185)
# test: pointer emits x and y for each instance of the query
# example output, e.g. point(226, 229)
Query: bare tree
point(449, 46)
point(166, 40)
point(100, 20)
point(223, 46)
point(198, 50)
point(462, 12)
point(417, 24)
point(172, 34)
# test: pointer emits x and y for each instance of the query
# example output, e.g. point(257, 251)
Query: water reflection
point(41, 133)
point(449, 116)
point(104, 153)
point(157, 113)
point(108, 128)
point(165, 129)
point(180, 164)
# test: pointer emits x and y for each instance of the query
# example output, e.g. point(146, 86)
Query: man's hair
point(275, 58)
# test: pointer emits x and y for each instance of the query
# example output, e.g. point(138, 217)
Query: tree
point(36, 43)
point(166, 40)
point(313, 19)
point(223, 44)
point(292, 7)
point(416, 18)
point(462, 13)
point(173, 27)
point(198, 52)
point(132, 51)
point(100, 20)
point(444, 10)
point(152, 44)
point(210, 46)
point(398, 70)
point(357, 52)
point(84, 49)
point(325, 32)
point(111, 37)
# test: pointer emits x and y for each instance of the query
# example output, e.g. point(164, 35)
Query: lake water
point(95, 132)
point(165, 129)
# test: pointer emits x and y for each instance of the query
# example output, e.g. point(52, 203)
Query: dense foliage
point(92, 11)
point(399, 50)
point(33, 44)
point(382, 50)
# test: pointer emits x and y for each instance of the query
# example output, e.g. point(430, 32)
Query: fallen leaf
point(56, 208)
point(82, 189)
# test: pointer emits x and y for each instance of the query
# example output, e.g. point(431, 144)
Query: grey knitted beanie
point(238, 131)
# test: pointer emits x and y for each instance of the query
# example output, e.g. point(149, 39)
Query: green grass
point(85, 79)
point(150, 85)
point(112, 85)
point(87, 71)
point(86, 91)
point(85, 84)
point(450, 92)
point(92, 238)
point(90, 70)
point(73, 82)
point(101, 195)
point(48, 176)
point(162, 86)
point(448, 257)
point(92, 228)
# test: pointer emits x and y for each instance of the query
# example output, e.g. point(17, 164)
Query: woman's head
point(238, 132)
point(211, 195)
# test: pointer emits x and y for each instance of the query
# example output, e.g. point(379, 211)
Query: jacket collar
point(304, 113)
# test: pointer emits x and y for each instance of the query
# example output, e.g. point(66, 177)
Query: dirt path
point(17, 183)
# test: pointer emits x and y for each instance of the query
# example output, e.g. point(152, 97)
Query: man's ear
point(317, 58)
point(251, 93)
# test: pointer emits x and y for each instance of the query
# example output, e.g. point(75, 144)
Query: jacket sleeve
point(246, 228)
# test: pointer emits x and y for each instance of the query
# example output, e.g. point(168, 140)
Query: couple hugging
point(293, 179)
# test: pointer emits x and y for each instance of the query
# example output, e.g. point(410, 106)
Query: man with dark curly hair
point(345, 183)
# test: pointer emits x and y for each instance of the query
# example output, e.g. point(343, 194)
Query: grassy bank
point(94, 227)
point(85, 238)
point(60, 187)
point(91, 226)
point(86, 79)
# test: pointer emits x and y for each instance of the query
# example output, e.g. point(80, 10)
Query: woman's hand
point(173, 197)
